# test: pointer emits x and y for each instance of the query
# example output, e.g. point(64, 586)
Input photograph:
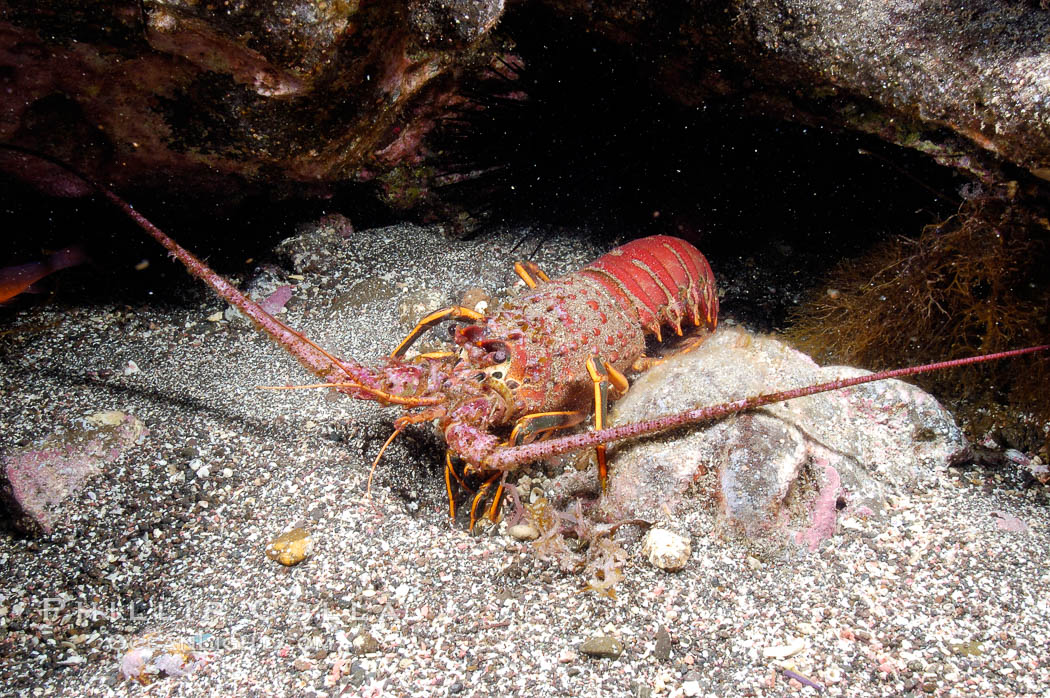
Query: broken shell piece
point(666, 549)
point(152, 658)
point(782, 652)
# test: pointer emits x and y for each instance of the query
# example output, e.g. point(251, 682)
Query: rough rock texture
point(300, 91)
point(38, 479)
point(177, 93)
point(789, 464)
point(978, 68)
point(963, 81)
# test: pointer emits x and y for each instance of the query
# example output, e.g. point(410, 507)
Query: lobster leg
point(603, 380)
point(450, 475)
point(433, 355)
point(456, 311)
point(526, 270)
point(491, 512)
point(399, 425)
point(644, 363)
point(540, 424)
point(527, 429)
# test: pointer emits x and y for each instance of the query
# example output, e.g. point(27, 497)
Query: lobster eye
point(471, 334)
point(497, 348)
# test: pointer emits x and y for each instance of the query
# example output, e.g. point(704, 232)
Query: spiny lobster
point(525, 370)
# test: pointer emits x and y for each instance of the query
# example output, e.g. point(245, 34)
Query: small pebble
point(603, 646)
point(666, 549)
point(523, 532)
point(784, 651)
point(365, 644)
point(290, 548)
point(662, 651)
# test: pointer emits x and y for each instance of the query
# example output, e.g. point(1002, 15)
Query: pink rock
point(825, 512)
point(274, 302)
point(1010, 523)
point(43, 476)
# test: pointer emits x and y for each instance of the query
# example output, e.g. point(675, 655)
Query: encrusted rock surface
point(170, 93)
point(217, 94)
point(791, 464)
point(963, 82)
point(39, 479)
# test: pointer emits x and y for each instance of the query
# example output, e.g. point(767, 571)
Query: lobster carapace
point(561, 345)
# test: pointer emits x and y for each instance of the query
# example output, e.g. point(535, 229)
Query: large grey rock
point(788, 465)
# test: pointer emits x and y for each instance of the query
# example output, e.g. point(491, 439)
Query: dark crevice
point(571, 134)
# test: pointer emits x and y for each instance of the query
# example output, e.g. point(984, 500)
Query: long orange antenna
point(508, 458)
point(317, 360)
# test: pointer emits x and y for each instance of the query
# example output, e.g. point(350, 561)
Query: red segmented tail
point(660, 277)
point(628, 287)
point(706, 295)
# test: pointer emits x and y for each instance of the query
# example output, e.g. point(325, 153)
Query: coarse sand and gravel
point(949, 594)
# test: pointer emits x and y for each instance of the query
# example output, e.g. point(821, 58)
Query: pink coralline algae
point(825, 512)
point(40, 478)
point(278, 299)
point(153, 657)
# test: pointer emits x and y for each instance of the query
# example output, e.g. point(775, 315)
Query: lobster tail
point(663, 279)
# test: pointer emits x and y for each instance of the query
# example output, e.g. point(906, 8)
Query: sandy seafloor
point(168, 543)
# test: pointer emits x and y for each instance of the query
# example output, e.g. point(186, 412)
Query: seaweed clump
point(578, 545)
point(972, 284)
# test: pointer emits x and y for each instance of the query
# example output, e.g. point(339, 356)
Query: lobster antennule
point(380, 395)
point(508, 457)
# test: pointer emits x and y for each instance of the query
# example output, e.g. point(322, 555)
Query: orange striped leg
point(540, 424)
point(457, 311)
point(527, 270)
point(450, 475)
point(481, 494)
point(608, 384)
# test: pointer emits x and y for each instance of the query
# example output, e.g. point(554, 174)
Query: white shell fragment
point(523, 532)
point(666, 549)
point(781, 652)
